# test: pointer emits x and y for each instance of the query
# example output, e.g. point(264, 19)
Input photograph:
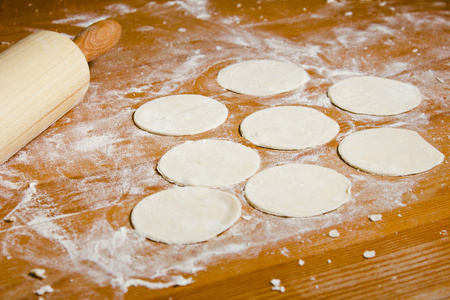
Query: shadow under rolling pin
point(43, 76)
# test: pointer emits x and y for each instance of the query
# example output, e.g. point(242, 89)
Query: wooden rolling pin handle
point(98, 38)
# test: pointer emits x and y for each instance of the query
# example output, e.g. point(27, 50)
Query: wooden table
point(72, 188)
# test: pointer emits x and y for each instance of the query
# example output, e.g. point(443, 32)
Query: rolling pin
point(43, 76)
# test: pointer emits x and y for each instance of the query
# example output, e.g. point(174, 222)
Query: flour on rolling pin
point(44, 76)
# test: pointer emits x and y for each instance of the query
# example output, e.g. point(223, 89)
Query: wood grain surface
point(72, 189)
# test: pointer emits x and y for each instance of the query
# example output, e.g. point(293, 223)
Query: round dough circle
point(209, 163)
point(180, 115)
point(389, 151)
point(185, 215)
point(289, 128)
point(374, 96)
point(262, 77)
point(297, 190)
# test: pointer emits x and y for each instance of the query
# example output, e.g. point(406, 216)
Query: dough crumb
point(38, 273)
point(301, 262)
point(375, 218)
point(276, 285)
point(43, 290)
point(10, 219)
point(440, 80)
point(333, 233)
point(369, 254)
point(329, 261)
point(316, 286)
point(312, 278)
point(247, 218)
point(394, 277)
point(275, 282)
point(32, 187)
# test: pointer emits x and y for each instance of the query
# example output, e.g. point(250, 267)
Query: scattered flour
point(198, 8)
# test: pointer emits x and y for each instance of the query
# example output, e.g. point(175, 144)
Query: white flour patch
point(145, 28)
point(177, 281)
point(349, 37)
point(198, 8)
point(120, 9)
point(84, 20)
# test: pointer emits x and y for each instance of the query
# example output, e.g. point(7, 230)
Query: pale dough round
point(185, 215)
point(289, 128)
point(297, 190)
point(180, 115)
point(262, 77)
point(389, 151)
point(209, 163)
point(374, 96)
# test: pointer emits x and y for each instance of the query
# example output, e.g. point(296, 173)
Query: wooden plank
point(72, 188)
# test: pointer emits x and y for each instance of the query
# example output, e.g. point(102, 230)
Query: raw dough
point(375, 218)
point(374, 96)
point(209, 163)
point(389, 151)
point(180, 115)
point(369, 254)
point(262, 77)
point(289, 128)
point(185, 215)
point(333, 233)
point(297, 190)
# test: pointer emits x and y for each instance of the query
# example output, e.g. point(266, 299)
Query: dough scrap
point(374, 95)
point(389, 151)
point(209, 163)
point(185, 215)
point(297, 190)
point(262, 77)
point(288, 128)
point(369, 254)
point(178, 115)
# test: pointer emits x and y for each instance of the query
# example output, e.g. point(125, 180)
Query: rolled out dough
point(180, 115)
point(209, 163)
point(262, 77)
point(374, 95)
point(389, 151)
point(297, 190)
point(288, 128)
point(185, 215)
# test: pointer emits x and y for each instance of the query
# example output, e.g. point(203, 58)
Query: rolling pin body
point(42, 77)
